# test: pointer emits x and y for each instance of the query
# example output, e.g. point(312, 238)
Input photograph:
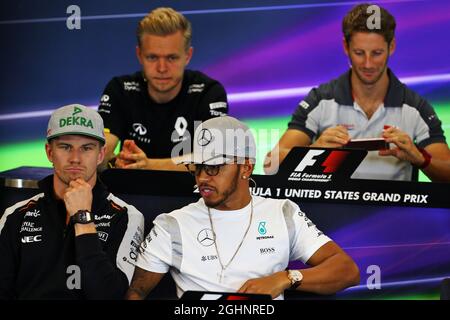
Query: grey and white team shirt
point(183, 242)
point(332, 104)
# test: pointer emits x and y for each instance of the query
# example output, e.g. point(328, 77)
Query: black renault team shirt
point(129, 112)
point(40, 257)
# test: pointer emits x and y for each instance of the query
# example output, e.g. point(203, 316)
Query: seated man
point(74, 239)
point(231, 241)
point(153, 110)
point(369, 101)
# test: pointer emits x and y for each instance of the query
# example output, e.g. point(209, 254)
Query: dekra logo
point(73, 120)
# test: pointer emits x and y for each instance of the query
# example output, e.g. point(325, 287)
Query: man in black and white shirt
point(154, 111)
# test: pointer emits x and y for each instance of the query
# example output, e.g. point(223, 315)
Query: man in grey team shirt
point(368, 101)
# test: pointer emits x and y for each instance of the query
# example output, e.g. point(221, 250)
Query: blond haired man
point(154, 110)
point(73, 240)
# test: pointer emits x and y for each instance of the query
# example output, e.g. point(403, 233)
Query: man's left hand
point(274, 285)
point(131, 157)
point(404, 149)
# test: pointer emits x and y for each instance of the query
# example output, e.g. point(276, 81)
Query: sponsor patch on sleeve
point(216, 113)
point(304, 104)
point(217, 105)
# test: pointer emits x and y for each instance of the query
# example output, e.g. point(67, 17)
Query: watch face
point(85, 216)
point(295, 276)
point(82, 216)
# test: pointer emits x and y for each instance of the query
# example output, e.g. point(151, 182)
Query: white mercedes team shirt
point(183, 242)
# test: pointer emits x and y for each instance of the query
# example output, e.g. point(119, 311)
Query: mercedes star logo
point(204, 137)
point(206, 237)
point(139, 128)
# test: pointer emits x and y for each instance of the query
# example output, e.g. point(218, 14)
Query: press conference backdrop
point(267, 53)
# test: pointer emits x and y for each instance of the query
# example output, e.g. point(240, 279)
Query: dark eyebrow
point(174, 54)
point(68, 144)
point(89, 144)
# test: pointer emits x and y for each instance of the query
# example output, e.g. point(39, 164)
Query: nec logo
point(331, 163)
point(28, 239)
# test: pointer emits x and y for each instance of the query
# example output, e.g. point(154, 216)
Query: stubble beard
point(225, 194)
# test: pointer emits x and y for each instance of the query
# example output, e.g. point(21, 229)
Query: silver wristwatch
point(295, 277)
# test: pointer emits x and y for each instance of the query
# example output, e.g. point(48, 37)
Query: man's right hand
point(78, 196)
point(334, 137)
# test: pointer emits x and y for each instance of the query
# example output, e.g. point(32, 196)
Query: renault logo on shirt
point(204, 137)
point(206, 237)
point(139, 128)
point(181, 125)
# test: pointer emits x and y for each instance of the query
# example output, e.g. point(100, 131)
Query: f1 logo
point(308, 160)
point(334, 160)
point(331, 163)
